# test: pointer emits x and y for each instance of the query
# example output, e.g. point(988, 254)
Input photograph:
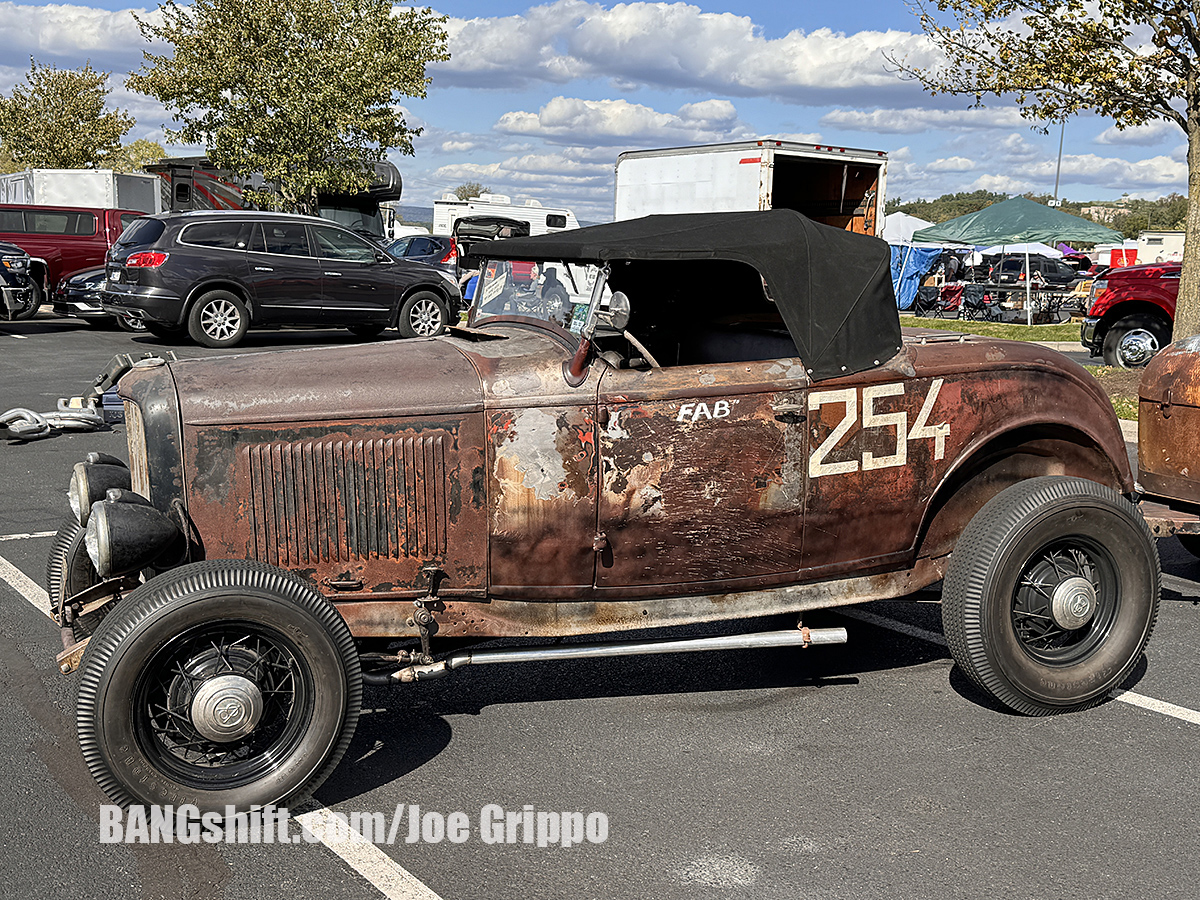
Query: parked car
point(717, 418)
point(1047, 271)
point(81, 296)
point(1131, 313)
point(437, 250)
point(16, 289)
point(214, 275)
point(1169, 439)
point(61, 240)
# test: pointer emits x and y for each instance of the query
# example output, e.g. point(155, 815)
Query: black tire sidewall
point(196, 329)
point(404, 325)
point(988, 647)
point(128, 640)
point(38, 297)
point(1117, 331)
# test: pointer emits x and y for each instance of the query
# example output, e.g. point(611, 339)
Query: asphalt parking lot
point(872, 769)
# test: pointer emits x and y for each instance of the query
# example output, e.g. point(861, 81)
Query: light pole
point(1058, 168)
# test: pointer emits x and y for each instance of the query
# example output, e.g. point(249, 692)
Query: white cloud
point(918, 120)
point(1142, 135)
point(619, 122)
point(63, 34)
point(671, 45)
point(951, 164)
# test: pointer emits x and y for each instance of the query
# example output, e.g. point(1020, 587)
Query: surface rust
point(1169, 424)
point(731, 489)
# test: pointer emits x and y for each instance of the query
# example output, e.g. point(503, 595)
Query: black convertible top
point(833, 287)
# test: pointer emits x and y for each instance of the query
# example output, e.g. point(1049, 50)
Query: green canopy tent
point(1018, 221)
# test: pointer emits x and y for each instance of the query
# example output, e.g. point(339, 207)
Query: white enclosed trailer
point(837, 186)
point(541, 219)
point(95, 188)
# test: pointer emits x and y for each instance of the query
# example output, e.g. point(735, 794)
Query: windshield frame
point(574, 269)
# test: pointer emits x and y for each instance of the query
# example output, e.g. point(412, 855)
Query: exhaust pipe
point(801, 637)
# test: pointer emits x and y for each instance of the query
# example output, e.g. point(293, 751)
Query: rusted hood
point(365, 381)
point(1173, 376)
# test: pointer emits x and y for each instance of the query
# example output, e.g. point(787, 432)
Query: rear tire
point(1051, 594)
point(1131, 342)
point(132, 325)
point(220, 682)
point(218, 319)
point(422, 315)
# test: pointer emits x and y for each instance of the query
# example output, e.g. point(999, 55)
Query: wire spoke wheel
point(1065, 602)
point(221, 703)
point(1051, 594)
point(222, 682)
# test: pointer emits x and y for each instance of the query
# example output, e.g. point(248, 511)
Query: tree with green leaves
point(133, 156)
point(1132, 61)
point(303, 91)
point(469, 189)
point(58, 119)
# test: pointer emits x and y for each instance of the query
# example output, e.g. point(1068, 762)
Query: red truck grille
point(338, 501)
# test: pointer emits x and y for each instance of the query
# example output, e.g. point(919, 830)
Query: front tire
point(1051, 594)
point(29, 309)
point(220, 682)
point(218, 319)
point(69, 570)
point(422, 315)
point(1131, 342)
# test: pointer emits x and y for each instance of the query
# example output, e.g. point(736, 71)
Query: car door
point(283, 274)
point(877, 440)
point(358, 283)
point(703, 476)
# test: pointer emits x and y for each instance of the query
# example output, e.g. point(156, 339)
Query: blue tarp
point(909, 265)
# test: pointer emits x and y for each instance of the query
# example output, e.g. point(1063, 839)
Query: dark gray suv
point(213, 275)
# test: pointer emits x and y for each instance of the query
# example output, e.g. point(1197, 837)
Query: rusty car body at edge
point(550, 472)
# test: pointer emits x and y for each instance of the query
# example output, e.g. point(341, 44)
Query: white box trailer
point(541, 219)
point(96, 188)
point(837, 186)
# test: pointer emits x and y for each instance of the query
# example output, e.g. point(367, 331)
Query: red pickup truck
point(62, 240)
point(1131, 313)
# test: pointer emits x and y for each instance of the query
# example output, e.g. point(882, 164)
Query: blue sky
point(538, 99)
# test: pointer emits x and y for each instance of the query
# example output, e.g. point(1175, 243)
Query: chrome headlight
point(125, 533)
point(18, 264)
point(91, 480)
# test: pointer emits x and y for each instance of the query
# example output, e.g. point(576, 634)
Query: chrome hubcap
point(226, 708)
point(1073, 603)
point(220, 320)
point(1137, 347)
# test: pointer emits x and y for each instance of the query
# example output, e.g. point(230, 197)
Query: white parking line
point(385, 874)
point(26, 587)
point(393, 881)
point(24, 537)
point(1133, 699)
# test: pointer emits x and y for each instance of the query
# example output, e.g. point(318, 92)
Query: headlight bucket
point(90, 481)
point(125, 533)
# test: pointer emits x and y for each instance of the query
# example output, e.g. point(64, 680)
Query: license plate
point(114, 275)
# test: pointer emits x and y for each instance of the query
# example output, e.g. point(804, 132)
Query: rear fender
point(1003, 461)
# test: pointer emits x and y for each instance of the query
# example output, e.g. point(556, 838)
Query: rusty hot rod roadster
point(683, 419)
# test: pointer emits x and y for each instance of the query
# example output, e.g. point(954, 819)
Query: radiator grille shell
point(313, 502)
